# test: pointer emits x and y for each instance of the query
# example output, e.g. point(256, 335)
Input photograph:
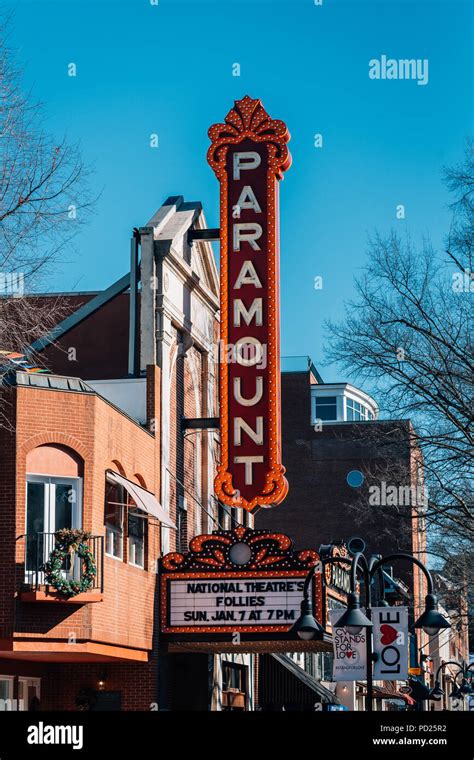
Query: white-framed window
point(6, 693)
point(136, 537)
point(29, 693)
point(115, 500)
point(357, 411)
point(326, 408)
point(52, 503)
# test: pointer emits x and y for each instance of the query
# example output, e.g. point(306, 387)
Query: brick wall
point(62, 682)
point(137, 683)
point(105, 439)
point(8, 531)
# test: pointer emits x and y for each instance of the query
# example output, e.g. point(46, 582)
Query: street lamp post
point(463, 669)
point(465, 686)
point(307, 627)
point(354, 619)
point(431, 620)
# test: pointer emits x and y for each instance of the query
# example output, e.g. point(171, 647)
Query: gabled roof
point(171, 224)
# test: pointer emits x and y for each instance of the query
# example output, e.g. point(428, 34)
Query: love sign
point(249, 154)
point(390, 643)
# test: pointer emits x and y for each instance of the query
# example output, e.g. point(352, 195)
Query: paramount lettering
point(249, 155)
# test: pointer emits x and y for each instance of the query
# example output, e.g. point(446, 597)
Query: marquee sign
point(249, 154)
point(240, 581)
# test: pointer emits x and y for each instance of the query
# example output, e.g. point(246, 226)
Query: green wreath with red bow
point(70, 543)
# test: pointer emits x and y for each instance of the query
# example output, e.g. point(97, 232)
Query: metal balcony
point(37, 550)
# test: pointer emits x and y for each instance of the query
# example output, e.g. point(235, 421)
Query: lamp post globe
point(431, 620)
point(353, 619)
point(307, 627)
point(354, 630)
point(437, 692)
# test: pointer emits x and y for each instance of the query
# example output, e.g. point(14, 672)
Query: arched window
point(123, 519)
point(53, 499)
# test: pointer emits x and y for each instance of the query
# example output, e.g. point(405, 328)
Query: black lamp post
point(431, 620)
point(307, 627)
point(437, 691)
point(354, 620)
point(458, 691)
point(464, 688)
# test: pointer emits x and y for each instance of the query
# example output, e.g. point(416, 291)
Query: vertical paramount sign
point(249, 154)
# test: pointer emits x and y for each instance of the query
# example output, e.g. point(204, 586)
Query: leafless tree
point(407, 336)
point(44, 199)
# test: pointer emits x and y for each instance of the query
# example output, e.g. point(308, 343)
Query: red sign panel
point(249, 154)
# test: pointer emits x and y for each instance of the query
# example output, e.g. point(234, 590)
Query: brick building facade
point(74, 436)
point(146, 359)
point(98, 418)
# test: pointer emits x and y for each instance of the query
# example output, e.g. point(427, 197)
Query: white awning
point(143, 499)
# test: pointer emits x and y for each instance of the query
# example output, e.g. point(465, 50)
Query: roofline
point(159, 225)
point(310, 368)
point(55, 294)
point(90, 392)
point(352, 389)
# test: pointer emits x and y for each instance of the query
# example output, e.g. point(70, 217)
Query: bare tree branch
point(44, 200)
point(408, 335)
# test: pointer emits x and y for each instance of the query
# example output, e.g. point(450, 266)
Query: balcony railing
point(38, 547)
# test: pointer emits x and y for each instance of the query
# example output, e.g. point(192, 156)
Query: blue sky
point(167, 69)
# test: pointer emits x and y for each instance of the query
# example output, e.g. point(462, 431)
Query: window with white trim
point(136, 537)
point(29, 693)
point(6, 693)
point(52, 503)
point(357, 411)
point(326, 408)
point(115, 500)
